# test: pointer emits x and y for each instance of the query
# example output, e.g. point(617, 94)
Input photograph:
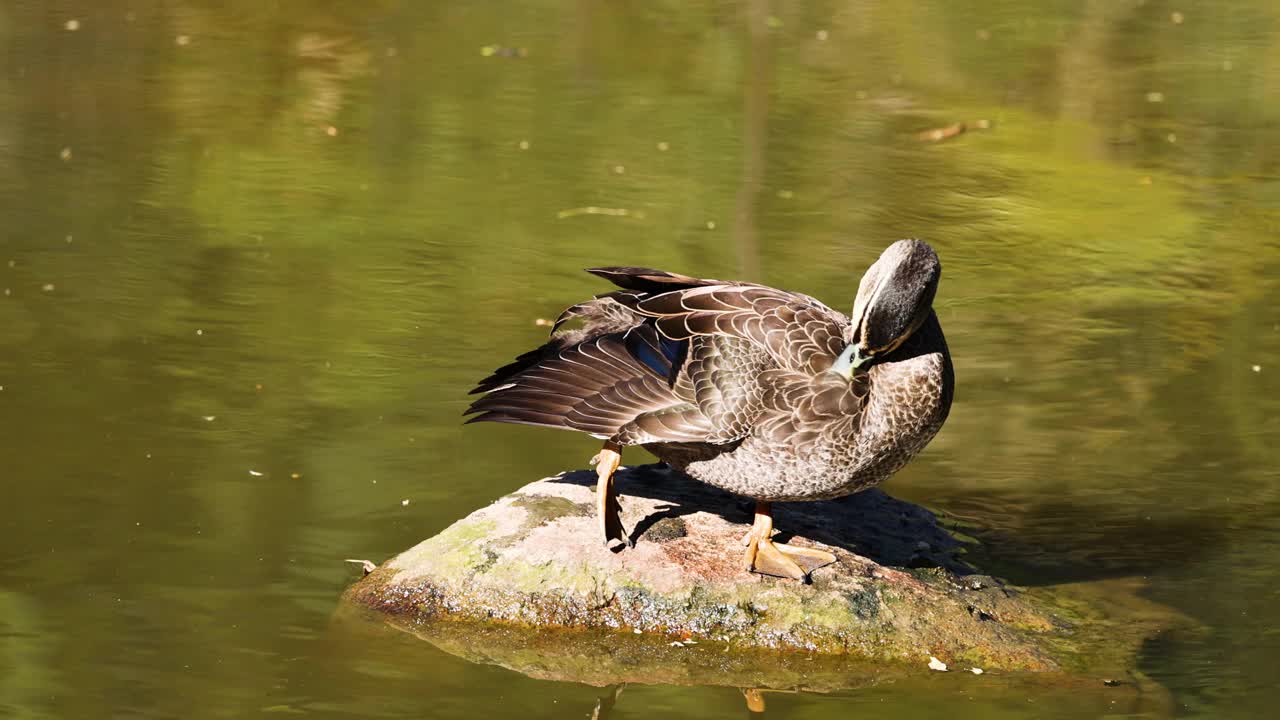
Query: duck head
point(894, 299)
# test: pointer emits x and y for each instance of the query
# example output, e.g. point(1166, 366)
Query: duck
point(765, 393)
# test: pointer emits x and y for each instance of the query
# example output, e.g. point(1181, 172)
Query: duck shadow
point(1061, 540)
point(871, 523)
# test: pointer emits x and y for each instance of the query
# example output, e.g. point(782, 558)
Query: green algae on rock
point(897, 592)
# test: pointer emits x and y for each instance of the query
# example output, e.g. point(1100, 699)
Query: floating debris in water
point(619, 169)
point(677, 643)
point(637, 631)
point(976, 670)
point(711, 224)
point(72, 25)
point(503, 51)
point(786, 194)
point(47, 287)
point(1256, 368)
point(943, 133)
point(255, 473)
point(663, 147)
point(983, 34)
point(822, 35)
point(523, 145)
point(182, 40)
point(209, 418)
point(543, 322)
point(593, 210)
point(950, 131)
point(936, 664)
point(1155, 97)
point(295, 476)
point(199, 331)
point(1171, 137)
point(65, 154)
point(1112, 683)
point(1177, 17)
point(404, 502)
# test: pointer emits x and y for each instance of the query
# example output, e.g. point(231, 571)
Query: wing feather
point(599, 385)
point(677, 359)
point(798, 332)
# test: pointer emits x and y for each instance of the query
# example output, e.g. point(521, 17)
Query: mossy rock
point(527, 584)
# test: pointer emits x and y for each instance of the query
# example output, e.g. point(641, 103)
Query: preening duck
point(762, 392)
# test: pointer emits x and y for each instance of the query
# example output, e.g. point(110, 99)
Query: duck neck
point(910, 392)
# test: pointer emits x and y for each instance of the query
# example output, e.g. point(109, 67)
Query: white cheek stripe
point(859, 330)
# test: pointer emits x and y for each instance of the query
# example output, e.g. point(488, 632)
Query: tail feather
point(600, 316)
point(595, 386)
point(602, 376)
point(502, 375)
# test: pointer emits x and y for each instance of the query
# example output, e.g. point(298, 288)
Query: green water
point(253, 254)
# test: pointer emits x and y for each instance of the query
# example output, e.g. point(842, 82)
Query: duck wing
point(798, 332)
point(649, 281)
point(669, 358)
point(616, 372)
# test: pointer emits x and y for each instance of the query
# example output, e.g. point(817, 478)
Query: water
point(253, 254)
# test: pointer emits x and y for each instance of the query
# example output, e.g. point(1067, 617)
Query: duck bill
point(851, 360)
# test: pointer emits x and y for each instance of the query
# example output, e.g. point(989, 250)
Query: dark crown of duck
point(894, 298)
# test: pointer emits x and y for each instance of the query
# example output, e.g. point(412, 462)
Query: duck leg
point(766, 557)
point(607, 506)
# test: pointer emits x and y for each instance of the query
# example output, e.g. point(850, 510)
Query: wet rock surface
point(529, 571)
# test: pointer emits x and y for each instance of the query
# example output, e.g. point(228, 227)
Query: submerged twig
point(366, 565)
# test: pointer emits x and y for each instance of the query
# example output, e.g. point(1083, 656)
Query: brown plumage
point(763, 392)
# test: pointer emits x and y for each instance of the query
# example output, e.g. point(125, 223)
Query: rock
point(500, 584)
